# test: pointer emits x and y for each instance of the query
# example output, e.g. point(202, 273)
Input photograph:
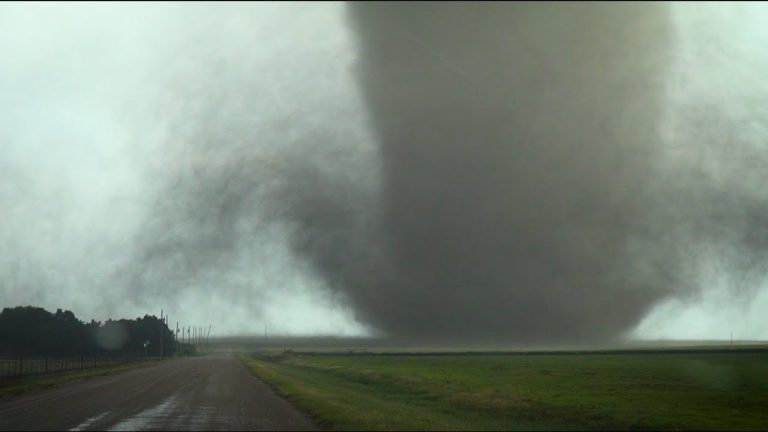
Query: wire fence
point(21, 367)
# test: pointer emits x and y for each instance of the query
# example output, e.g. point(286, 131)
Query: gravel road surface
point(205, 393)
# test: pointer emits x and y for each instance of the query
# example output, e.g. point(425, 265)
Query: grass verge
point(17, 386)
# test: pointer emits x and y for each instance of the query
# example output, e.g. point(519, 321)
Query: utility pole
point(176, 340)
point(265, 334)
point(208, 337)
point(161, 334)
point(165, 325)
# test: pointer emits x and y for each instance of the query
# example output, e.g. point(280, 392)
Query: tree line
point(28, 331)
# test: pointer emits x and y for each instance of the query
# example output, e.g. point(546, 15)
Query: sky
point(98, 102)
point(225, 163)
point(714, 128)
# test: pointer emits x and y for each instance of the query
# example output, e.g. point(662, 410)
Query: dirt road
point(205, 393)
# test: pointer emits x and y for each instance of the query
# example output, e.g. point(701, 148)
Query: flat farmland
point(657, 390)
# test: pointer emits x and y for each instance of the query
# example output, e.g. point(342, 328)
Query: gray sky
point(715, 128)
point(108, 113)
point(98, 100)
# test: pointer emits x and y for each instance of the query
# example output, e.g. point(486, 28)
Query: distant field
point(662, 390)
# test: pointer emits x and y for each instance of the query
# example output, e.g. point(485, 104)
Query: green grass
point(17, 386)
point(659, 391)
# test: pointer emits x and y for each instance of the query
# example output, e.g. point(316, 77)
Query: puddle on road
point(143, 419)
point(84, 425)
point(198, 419)
point(174, 414)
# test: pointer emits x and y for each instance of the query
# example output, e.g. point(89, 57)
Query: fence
point(16, 368)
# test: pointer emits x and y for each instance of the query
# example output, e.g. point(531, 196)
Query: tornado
point(517, 143)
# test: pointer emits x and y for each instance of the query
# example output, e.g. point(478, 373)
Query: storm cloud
point(435, 172)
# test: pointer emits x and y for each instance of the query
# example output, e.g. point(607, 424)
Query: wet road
point(205, 393)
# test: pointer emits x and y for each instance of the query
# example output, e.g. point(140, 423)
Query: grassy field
point(16, 386)
point(659, 391)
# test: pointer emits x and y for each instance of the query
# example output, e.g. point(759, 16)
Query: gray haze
point(447, 172)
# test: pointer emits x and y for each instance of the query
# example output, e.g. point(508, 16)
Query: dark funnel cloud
point(517, 142)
